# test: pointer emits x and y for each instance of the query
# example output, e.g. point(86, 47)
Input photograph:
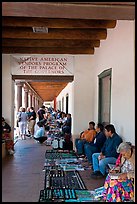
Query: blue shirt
point(110, 146)
point(40, 132)
point(99, 140)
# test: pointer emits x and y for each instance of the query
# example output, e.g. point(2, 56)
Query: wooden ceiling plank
point(49, 50)
point(41, 84)
point(57, 23)
point(45, 88)
point(26, 33)
point(43, 78)
point(69, 10)
point(49, 43)
point(48, 90)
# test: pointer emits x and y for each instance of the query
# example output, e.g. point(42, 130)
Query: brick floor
point(22, 175)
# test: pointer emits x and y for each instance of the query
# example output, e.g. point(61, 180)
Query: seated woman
point(40, 133)
point(122, 188)
point(6, 136)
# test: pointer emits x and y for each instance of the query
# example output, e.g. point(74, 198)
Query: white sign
point(41, 65)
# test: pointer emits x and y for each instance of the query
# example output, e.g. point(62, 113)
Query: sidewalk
point(22, 175)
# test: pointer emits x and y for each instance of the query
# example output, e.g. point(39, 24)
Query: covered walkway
point(23, 175)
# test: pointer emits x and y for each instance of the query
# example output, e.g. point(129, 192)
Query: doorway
point(67, 99)
point(104, 80)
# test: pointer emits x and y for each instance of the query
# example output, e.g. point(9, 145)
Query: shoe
point(80, 155)
point(96, 175)
point(28, 135)
point(87, 166)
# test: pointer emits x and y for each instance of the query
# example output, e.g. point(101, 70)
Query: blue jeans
point(89, 149)
point(101, 165)
point(80, 145)
point(66, 129)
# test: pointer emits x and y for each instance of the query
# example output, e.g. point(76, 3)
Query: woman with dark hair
point(121, 188)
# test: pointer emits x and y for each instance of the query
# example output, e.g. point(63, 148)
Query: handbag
point(19, 117)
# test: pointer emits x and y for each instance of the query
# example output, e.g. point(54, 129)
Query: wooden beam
point(48, 85)
point(57, 23)
point(49, 50)
point(49, 43)
point(70, 10)
point(44, 78)
point(27, 33)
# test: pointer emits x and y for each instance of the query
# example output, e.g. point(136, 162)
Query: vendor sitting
point(6, 137)
point(122, 188)
point(66, 127)
point(86, 136)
